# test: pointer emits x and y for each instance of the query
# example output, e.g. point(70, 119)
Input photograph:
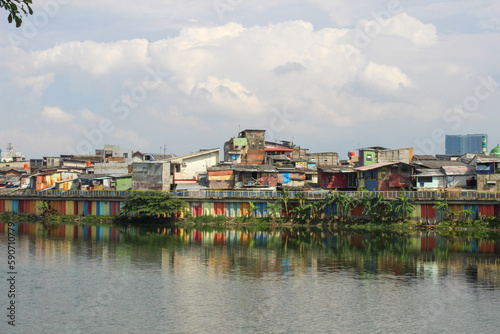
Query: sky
point(179, 76)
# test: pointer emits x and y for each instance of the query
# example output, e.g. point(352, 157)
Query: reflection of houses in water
point(424, 255)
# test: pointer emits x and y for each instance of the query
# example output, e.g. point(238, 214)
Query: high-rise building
point(462, 144)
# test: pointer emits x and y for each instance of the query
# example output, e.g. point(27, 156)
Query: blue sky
point(329, 75)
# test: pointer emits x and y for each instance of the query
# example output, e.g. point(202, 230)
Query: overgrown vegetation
point(150, 205)
point(348, 209)
point(48, 215)
point(336, 208)
point(465, 218)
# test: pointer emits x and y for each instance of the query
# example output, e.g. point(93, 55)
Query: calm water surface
point(101, 279)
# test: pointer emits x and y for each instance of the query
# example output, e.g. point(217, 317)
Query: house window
point(425, 179)
point(125, 155)
point(369, 157)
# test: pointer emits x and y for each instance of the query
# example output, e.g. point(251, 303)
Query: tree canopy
point(152, 204)
point(16, 9)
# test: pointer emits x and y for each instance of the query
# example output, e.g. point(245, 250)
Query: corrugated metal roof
point(193, 154)
point(279, 157)
point(373, 148)
point(272, 149)
point(419, 157)
point(428, 172)
point(436, 164)
point(375, 166)
point(190, 186)
point(489, 159)
point(458, 170)
point(255, 168)
point(337, 169)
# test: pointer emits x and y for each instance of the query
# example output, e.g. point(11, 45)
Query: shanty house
point(291, 178)
point(429, 179)
point(151, 176)
point(487, 172)
point(338, 177)
point(246, 149)
point(192, 167)
point(385, 176)
point(221, 177)
point(256, 176)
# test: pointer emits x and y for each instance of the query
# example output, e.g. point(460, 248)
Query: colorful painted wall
point(63, 207)
point(424, 212)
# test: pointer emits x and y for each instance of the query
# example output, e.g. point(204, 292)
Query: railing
point(63, 193)
point(252, 195)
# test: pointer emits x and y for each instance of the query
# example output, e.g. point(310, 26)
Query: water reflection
point(95, 279)
point(277, 253)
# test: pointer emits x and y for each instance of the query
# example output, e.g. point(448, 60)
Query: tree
point(285, 197)
point(402, 206)
point(152, 204)
point(375, 207)
point(343, 202)
point(251, 209)
point(272, 209)
point(330, 201)
point(45, 209)
point(48, 214)
point(443, 207)
point(16, 8)
point(316, 208)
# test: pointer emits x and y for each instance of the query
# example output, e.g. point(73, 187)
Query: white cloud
point(57, 115)
point(130, 137)
point(38, 84)
point(97, 58)
point(227, 95)
point(410, 28)
point(90, 116)
point(386, 79)
point(217, 77)
point(37, 142)
point(490, 16)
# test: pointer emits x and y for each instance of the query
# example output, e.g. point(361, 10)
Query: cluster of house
point(251, 162)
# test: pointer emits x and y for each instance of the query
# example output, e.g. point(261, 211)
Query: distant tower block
point(9, 147)
point(484, 150)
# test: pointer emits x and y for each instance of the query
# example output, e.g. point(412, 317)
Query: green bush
point(152, 204)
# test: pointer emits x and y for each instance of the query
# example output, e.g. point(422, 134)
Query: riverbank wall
point(237, 203)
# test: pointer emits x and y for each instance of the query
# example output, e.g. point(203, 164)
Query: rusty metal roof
point(428, 172)
point(337, 169)
point(433, 164)
point(459, 170)
point(377, 165)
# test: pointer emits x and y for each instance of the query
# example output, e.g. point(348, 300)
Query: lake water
point(101, 279)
